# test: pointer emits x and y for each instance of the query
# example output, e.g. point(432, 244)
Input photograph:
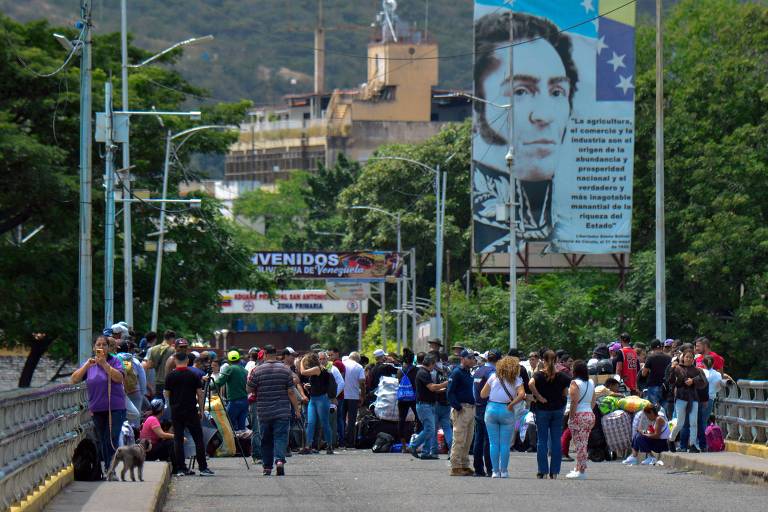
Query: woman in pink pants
point(581, 419)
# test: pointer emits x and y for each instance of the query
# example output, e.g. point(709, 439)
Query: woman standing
point(581, 419)
point(103, 374)
point(549, 388)
point(319, 404)
point(162, 441)
point(505, 392)
point(685, 379)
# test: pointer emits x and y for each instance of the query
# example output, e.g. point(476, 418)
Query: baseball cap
point(467, 353)
point(493, 355)
point(379, 353)
point(182, 342)
point(253, 350)
point(233, 355)
point(669, 342)
point(615, 346)
point(288, 351)
point(196, 353)
point(655, 344)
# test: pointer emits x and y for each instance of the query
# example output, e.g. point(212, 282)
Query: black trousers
point(350, 415)
point(162, 450)
point(402, 414)
point(190, 421)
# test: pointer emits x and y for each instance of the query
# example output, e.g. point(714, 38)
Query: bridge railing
point(742, 411)
point(39, 431)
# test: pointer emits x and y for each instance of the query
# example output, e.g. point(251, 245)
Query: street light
point(161, 236)
point(187, 42)
point(395, 216)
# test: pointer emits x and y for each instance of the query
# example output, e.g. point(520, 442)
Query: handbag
point(510, 407)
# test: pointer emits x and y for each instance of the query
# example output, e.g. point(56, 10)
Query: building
point(398, 103)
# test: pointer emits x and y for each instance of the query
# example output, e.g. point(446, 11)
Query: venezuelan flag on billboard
point(570, 96)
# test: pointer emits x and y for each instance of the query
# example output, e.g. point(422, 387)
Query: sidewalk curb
point(161, 490)
point(43, 494)
point(755, 450)
point(715, 469)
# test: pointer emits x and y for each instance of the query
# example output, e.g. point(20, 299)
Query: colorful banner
point(300, 302)
point(573, 67)
point(365, 266)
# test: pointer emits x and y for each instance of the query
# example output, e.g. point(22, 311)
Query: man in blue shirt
point(481, 449)
point(461, 398)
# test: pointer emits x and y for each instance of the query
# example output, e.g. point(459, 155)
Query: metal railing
point(39, 431)
point(743, 411)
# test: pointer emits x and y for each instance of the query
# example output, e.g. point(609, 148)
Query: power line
point(72, 52)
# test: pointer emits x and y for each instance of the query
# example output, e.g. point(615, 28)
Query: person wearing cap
point(434, 346)
point(461, 398)
point(481, 449)
point(381, 369)
point(627, 364)
point(234, 377)
point(655, 366)
point(181, 345)
point(156, 358)
point(162, 441)
point(253, 359)
point(614, 350)
point(458, 349)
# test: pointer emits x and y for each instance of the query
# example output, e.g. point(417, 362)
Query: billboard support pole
point(661, 292)
point(383, 310)
point(414, 327)
point(510, 157)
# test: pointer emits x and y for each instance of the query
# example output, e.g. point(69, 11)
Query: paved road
point(368, 482)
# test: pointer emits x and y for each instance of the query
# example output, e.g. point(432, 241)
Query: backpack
point(714, 435)
point(383, 443)
point(131, 380)
point(405, 392)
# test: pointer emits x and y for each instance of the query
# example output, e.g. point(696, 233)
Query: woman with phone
point(320, 381)
point(104, 374)
point(505, 393)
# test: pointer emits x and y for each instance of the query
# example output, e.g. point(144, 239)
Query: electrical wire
point(158, 208)
point(78, 44)
point(468, 54)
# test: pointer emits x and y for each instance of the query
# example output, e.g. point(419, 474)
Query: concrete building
point(398, 103)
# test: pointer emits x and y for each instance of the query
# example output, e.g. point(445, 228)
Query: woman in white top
point(505, 393)
point(654, 439)
point(581, 419)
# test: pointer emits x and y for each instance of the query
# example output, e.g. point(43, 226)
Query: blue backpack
point(405, 392)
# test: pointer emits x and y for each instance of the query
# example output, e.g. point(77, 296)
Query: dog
point(132, 456)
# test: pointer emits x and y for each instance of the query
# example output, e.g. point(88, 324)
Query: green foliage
point(372, 336)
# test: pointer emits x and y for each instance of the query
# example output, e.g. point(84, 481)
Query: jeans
point(350, 415)
point(549, 429)
point(319, 410)
point(501, 426)
point(426, 413)
point(654, 394)
point(340, 423)
point(237, 410)
point(443, 420)
point(693, 416)
point(274, 439)
point(481, 448)
point(106, 441)
point(253, 418)
point(705, 409)
point(191, 422)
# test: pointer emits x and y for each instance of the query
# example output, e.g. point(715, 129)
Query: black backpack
point(85, 462)
point(383, 443)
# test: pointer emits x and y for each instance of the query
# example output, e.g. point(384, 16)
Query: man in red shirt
point(702, 350)
point(627, 367)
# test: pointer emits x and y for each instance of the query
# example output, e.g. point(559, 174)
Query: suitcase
point(617, 428)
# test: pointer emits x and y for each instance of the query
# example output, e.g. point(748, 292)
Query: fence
point(39, 431)
point(743, 411)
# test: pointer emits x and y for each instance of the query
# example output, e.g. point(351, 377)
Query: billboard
point(365, 266)
point(572, 98)
point(304, 302)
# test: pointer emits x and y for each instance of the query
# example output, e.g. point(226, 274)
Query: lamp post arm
point(186, 42)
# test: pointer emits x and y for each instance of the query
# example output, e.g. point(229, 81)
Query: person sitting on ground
point(151, 430)
point(654, 439)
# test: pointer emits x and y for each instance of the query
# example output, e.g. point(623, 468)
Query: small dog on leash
point(132, 456)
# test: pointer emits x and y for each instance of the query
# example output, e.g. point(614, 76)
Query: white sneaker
point(572, 474)
point(630, 461)
point(495, 474)
point(575, 475)
point(504, 474)
point(650, 461)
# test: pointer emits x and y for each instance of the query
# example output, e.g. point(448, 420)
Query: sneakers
point(630, 461)
point(184, 472)
point(413, 451)
point(280, 468)
point(206, 472)
point(650, 461)
point(693, 449)
point(576, 475)
point(495, 474)
point(329, 451)
point(504, 474)
point(429, 457)
point(267, 471)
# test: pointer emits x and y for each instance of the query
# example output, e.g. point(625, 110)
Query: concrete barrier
point(734, 467)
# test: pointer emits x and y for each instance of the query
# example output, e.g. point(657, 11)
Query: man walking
point(462, 401)
point(481, 450)
point(184, 393)
point(272, 382)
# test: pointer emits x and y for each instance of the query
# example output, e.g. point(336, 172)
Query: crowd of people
point(477, 407)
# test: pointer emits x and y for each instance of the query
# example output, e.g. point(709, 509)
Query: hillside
point(262, 44)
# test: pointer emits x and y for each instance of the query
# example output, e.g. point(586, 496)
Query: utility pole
point(109, 210)
point(161, 236)
point(319, 60)
point(383, 316)
point(661, 287)
point(448, 293)
point(85, 257)
point(399, 317)
point(126, 176)
point(440, 188)
point(510, 157)
point(414, 327)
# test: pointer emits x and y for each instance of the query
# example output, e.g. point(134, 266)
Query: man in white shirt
point(354, 394)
